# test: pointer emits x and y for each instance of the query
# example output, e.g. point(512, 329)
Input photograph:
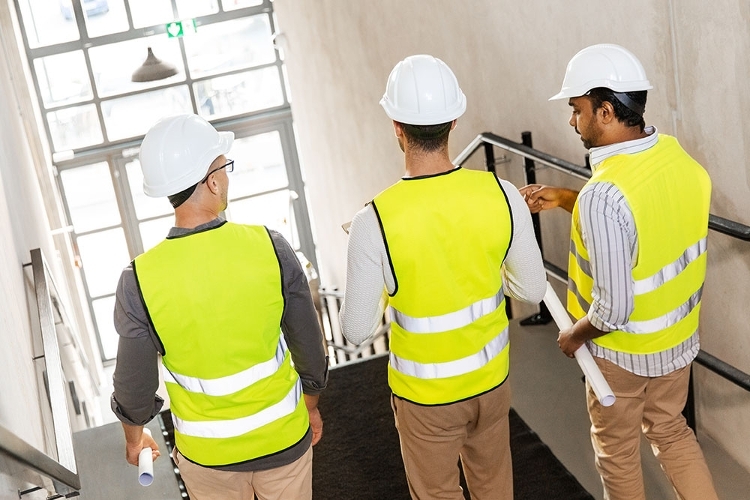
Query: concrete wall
point(509, 57)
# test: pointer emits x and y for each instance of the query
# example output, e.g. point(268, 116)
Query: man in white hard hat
point(636, 269)
point(447, 245)
point(209, 300)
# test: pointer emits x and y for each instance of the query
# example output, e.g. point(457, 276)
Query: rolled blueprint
point(145, 464)
point(588, 366)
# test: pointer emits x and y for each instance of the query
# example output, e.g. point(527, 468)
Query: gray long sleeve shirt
point(136, 376)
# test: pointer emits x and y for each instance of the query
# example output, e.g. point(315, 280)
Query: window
point(82, 55)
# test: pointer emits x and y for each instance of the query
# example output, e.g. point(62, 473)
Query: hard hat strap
point(178, 199)
point(428, 131)
point(630, 103)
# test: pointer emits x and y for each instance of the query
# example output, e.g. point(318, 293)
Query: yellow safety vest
point(447, 236)
point(215, 301)
point(669, 194)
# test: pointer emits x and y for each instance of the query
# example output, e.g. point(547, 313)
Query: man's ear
point(398, 129)
point(606, 112)
point(212, 184)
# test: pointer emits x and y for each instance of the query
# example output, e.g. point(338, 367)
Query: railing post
point(689, 411)
point(529, 170)
point(489, 157)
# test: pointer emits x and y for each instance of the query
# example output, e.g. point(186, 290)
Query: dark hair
point(428, 138)
point(179, 198)
point(622, 112)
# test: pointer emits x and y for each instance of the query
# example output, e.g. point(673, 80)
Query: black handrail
point(716, 223)
point(719, 224)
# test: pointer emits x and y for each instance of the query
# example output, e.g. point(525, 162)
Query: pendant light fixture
point(153, 69)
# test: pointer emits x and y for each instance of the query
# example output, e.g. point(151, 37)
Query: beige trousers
point(652, 405)
point(434, 438)
point(290, 482)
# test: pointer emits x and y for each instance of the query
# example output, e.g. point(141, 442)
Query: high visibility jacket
point(447, 236)
point(215, 301)
point(669, 195)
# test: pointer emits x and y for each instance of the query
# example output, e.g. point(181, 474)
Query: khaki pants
point(652, 405)
point(290, 482)
point(433, 438)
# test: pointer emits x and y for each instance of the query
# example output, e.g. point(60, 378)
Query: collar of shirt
point(598, 155)
point(175, 232)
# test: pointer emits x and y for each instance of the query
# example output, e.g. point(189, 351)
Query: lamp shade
point(153, 69)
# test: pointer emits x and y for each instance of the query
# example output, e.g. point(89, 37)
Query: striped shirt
point(609, 234)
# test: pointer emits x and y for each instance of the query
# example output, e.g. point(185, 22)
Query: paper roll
point(588, 366)
point(146, 464)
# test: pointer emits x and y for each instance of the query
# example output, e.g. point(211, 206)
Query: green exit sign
point(180, 28)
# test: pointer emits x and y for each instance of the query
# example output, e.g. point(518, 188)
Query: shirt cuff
point(119, 413)
point(599, 323)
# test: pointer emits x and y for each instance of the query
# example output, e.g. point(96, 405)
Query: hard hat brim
point(424, 119)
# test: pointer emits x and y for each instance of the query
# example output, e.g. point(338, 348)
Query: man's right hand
point(316, 421)
point(539, 197)
point(316, 424)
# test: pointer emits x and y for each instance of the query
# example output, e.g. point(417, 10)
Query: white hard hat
point(604, 65)
point(422, 90)
point(177, 151)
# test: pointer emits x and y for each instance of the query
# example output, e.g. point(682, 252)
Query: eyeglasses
point(229, 166)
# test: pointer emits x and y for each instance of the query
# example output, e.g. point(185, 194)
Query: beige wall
point(510, 56)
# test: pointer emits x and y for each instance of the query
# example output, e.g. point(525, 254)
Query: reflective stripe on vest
point(649, 284)
point(238, 427)
point(452, 368)
point(670, 271)
point(450, 321)
point(232, 383)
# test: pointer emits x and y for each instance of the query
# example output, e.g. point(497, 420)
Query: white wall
point(510, 56)
point(25, 225)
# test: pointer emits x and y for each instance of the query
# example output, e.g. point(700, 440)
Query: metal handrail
point(63, 471)
point(23, 453)
point(716, 223)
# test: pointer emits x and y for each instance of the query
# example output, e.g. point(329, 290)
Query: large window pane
point(107, 334)
point(73, 128)
point(150, 12)
point(231, 45)
point(188, 9)
point(113, 65)
point(240, 93)
point(48, 22)
point(145, 206)
point(272, 210)
point(153, 232)
point(134, 115)
point(91, 197)
point(104, 255)
point(258, 165)
point(239, 4)
point(63, 78)
point(104, 17)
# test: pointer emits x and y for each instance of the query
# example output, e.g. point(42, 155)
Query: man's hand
point(316, 421)
point(568, 343)
point(316, 424)
point(135, 441)
point(539, 197)
point(574, 337)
